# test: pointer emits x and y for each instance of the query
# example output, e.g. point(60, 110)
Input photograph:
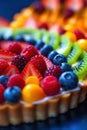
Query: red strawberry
point(79, 34)
point(4, 22)
point(30, 70)
point(39, 62)
point(10, 70)
point(16, 80)
point(2, 89)
point(6, 55)
point(48, 62)
point(29, 52)
point(43, 26)
point(3, 65)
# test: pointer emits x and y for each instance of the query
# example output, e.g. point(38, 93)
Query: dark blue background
point(73, 120)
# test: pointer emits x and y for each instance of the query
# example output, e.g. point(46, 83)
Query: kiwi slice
point(54, 40)
point(45, 36)
point(5, 32)
point(65, 45)
point(74, 54)
point(80, 68)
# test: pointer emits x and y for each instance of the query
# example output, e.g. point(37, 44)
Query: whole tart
point(50, 106)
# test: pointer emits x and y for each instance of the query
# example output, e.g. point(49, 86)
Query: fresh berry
point(12, 94)
point(19, 61)
point(79, 34)
point(54, 71)
point(19, 38)
point(31, 41)
point(58, 59)
point(6, 55)
point(1, 37)
point(4, 80)
point(68, 80)
point(65, 67)
point(50, 85)
point(39, 44)
point(8, 37)
point(32, 93)
point(46, 49)
point(43, 26)
point(10, 70)
point(29, 52)
point(31, 70)
point(16, 80)
point(15, 47)
point(2, 89)
point(32, 80)
point(48, 62)
point(3, 65)
point(52, 54)
point(68, 13)
point(39, 63)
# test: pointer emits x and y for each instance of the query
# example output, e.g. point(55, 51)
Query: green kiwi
point(54, 40)
point(74, 54)
point(45, 36)
point(80, 68)
point(65, 45)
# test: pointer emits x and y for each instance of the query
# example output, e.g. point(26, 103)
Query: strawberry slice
point(10, 70)
point(6, 55)
point(31, 70)
point(48, 62)
point(4, 44)
point(4, 22)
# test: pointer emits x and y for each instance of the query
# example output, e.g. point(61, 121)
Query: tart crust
point(28, 113)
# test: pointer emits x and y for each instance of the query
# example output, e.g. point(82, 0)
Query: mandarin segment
point(32, 80)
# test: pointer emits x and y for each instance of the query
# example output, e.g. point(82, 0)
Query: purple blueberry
point(65, 67)
point(52, 54)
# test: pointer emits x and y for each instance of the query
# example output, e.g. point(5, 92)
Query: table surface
point(75, 119)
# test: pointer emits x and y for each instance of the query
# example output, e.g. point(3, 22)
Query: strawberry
point(4, 22)
point(3, 65)
point(48, 62)
point(29, 52)
point(10, 70)
point(6, 55)
point(4, 44)
point(39, 62)
point(2, 89)
point(31, 70)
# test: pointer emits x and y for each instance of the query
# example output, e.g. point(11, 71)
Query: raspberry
point(3, 65)
point(19, 61)
point(15, 47)
point(79, 34)
point(39, 62)
point(2, 89)
point(50, 85)
point(16, 80)
point(43, 26)
point(29, 52)
point(54, 70)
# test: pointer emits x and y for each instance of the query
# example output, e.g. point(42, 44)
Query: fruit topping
point(12, 94)
point(39, 44)
point(31, 41)
point(68, 80)
point(19, 61)
point(53, 71)
point(43, 26)
point(2, 89)
point(65, 67)
point(50, 85)
point(79, 34)
point(3, 65)
point(16, 80)
point(32, 80)
point(52, 54)
point(32, 93)
point(83, 44)
point(4, 80)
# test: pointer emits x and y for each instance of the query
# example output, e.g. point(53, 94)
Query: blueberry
point(46, 49)
point(58, 59)
point(39, 44)
point(68, 80)
point(1, 37)
point(52, 54)
point(4, 80)
point(31, 41)
point(12, 94)
point(19, 38)
point(8, 38)
point(65, 67)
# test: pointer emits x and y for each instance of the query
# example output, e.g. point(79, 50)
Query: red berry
point(16, 80)
point(2, 89)
point(79, 34)
point(29, 52)
point(19, 61)
point(43, 26)
point(15, 47)
point(39, 62)
point(3, 65)
point(53, 70)
point(50, 85)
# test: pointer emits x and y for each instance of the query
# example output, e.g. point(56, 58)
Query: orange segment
point(83, 44)
point(71, 36)
point(32, 80)
point(32, 93)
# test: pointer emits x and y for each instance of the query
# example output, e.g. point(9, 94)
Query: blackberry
point(19, 61)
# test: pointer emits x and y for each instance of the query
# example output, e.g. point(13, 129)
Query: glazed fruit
point(32, 80)
point(65, 67)
point(58, 59)
point(83, 44)
point(68, 80)
point(2, 89)
point(16, 80)
point(31, 41)
point(39, 44)
point(12, 94)
point(32, 93)
point(3, 65)
point(79, 34)
point(52, 54)
point(50, 85)
point(4, 80)
point(71, 36)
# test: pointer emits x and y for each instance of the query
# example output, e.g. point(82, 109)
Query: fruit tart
point(42, 74)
